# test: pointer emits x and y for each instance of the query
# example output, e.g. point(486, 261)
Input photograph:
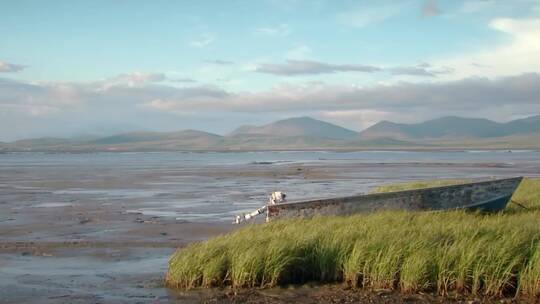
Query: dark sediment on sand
point(320, 294)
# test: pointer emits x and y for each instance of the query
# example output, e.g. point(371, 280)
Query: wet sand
point(91, 255)
point(102, 232)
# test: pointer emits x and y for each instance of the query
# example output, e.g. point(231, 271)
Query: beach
point(101, 227)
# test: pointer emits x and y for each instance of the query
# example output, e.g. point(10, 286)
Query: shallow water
point(204, 186)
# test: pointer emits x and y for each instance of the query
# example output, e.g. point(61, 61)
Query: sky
point(72, 68)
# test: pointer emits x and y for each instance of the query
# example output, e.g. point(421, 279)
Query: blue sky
point(74, 67)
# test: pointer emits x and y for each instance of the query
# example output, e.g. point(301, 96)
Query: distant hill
point(452, 127)
point(524, 126)
point(42, 142)
point(305, 133)
point(298, 126)
point(133, 137)
point(133, 141)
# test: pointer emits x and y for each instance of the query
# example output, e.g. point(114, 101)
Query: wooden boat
point(489, 196)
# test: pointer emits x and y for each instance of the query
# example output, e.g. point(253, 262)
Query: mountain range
point(306, 133)
point(298, 126)
point(452, 127)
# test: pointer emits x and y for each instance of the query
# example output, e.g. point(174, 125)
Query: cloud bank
point(309, 67)
point(511, 96)
point(306, 67)
point(6, 67)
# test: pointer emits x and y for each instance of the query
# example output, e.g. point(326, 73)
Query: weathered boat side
point(493, 205)
point(490, 195)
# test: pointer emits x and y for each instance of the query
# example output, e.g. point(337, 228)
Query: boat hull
point(489, 196)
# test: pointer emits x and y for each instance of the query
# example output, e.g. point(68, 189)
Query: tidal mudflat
point(101, 227)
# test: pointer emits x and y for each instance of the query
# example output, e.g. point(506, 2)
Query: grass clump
point(470, 253)
point(419, 185)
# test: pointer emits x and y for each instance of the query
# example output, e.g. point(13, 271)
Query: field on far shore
point(496, 255)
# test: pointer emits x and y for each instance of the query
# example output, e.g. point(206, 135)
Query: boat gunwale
point(326, 200)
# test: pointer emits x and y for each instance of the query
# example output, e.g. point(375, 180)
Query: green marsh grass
point(470, 253)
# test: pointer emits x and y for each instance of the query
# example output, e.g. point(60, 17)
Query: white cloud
point(366, 15)
point(520, 53)
point(6, 67)
point(160, 104)
point(219, 61)
point(421, 70)
point(296, 67)
point(311, 67)
point(203, 41)
point(279, 30)
point(135, 79)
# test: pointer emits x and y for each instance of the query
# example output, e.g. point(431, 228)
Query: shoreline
point(336, 150)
